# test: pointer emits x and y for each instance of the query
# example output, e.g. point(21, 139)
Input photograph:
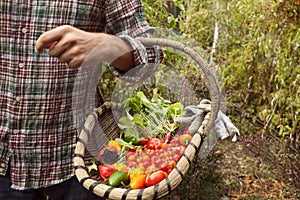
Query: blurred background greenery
point(255, 47)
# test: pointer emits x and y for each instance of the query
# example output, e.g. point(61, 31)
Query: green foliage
point(159, 14)
point(258, 54)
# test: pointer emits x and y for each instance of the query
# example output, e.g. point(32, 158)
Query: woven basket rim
point(159, 190)
point(176, 176)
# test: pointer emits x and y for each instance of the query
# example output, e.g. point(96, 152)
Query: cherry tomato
point(151, 168)
point(141, 165)
point(120, 167)
point(164, 145)
point(131, 164)
point(154, 143)
point(163, 166)
point(155, 177)
point(128, 153)
point(157, 162)
point(135, 171)
point(106, 170)
point(143, 141)
point(147, 163)
point(171, 164)
point(145, 157)
point(131, 157)
point(184, 139)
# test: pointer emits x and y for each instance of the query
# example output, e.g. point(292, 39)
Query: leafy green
point(149, 118)
point(123, 143)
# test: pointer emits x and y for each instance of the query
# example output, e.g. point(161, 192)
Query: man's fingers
point(74, 63)
point(46, 40)
point(58, 49)
point(49, 38)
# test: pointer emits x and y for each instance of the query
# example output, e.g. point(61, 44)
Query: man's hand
point(79, 48)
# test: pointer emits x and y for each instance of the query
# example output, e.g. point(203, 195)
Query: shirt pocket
point(90, 15)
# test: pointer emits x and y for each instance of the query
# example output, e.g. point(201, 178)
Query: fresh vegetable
point(168, 137)
point(171, 166)
point(144, 141)
point(132, 140)
point(124, 144)
point(135, 171)
point(154, 143)
point(151, 168)
point(149, 146)
point(138, 181)
point(93, 168)
point(149, 118)
point(120, 167)
point(117, 179)
point(106, 170)
point(184, 139)
point(155, 177)
point(114, 144)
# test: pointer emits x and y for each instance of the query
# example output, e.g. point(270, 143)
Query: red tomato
point(176, 157)
point(141, 166)
point(144, 141)
point(172, 164)
point(131, 157)
point(157, 162)
point(164, 145)
point(128, 153)
point(163, 166)
point(153, 154)
point(106, 170)
point(155, 177)
point(154, 143)
point(131, 164)
point(176, 150)
point(145, 157)
point(151, 168)
point(147, 163)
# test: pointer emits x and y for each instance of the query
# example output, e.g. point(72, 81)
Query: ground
point(246, 169)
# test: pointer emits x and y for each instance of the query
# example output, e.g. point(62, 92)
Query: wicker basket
point(103, 116)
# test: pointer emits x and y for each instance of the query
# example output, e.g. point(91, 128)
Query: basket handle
point(207, 71)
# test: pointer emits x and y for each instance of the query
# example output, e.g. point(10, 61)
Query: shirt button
point(18, 99)
point(21, 65)
point(24, 30)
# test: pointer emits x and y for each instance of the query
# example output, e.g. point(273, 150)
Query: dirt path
point(247, 169)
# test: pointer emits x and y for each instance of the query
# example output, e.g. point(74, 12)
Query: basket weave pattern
point(154, 192)
point(103, 116)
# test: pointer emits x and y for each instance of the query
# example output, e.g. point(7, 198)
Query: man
point(43, 43)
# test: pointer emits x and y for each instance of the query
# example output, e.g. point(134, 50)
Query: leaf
point(125, 121)
point(123, 143)
point(150, 117)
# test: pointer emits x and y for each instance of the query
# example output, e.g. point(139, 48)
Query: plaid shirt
point(37, 131)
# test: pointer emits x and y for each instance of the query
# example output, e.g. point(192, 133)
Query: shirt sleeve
point(125, 19)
